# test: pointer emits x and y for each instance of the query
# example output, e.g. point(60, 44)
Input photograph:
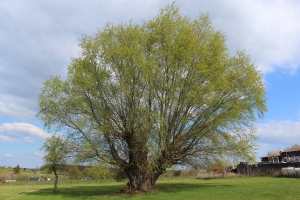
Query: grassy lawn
point(228, 188)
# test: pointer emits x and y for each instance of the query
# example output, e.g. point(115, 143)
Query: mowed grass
point(228, 188)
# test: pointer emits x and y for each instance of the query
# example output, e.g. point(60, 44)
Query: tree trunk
point(142, 175)
point(56, 179)
point(141, 180)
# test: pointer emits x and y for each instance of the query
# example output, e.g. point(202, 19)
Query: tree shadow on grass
point(76, 191)
point(179, 187)
point(89, 191)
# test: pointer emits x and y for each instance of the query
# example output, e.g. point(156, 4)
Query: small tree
point(3, 178)
point(17, 169)
point(36, 170)
point(56, 151)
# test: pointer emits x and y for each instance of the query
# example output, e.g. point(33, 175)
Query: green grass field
point(228, 188)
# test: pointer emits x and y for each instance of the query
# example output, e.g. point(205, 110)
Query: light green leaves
point(55, 149)
point(157, 92)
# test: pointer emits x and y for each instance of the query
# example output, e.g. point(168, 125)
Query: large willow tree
point(144, 97)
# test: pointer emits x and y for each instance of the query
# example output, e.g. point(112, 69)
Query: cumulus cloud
point(38, 38)
point(21, 132)
point(267, 30)
point(279, 132)
point(276, 135)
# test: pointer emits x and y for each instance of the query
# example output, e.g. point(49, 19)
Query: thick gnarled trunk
point(141, 172)
point(141, 180)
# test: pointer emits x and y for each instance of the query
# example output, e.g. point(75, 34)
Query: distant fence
point(264, 168)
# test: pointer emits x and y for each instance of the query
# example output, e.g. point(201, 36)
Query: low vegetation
point(169, 188)
point(174, 184)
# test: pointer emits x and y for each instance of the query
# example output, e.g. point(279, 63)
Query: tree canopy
point(56, 151)
point(144, 97)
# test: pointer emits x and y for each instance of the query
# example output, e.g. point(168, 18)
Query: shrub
point(120, 175)
point(3, 178)
point(171, 173)
point(177, 173)
point(17, 169)
point(22, 177)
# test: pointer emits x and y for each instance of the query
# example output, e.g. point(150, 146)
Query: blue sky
point(38, 39)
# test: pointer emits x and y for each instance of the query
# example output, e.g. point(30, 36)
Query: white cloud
point(40, 37)
point(9, 155)
point(38, 154)
point(268, 30)
point(279, 132)
point(21, 132)
point(276, 135)
point(4, 138)
point(14, 108)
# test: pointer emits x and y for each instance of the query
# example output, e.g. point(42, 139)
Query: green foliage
point(74, 172)
point(172, 173)
point(3, 178)
point(98, 172)
point(48, 168)
point(23, 177)
point(147, 96)
point(56, 151)
point(177, 173)
point(17, 169)
point(120, 175)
